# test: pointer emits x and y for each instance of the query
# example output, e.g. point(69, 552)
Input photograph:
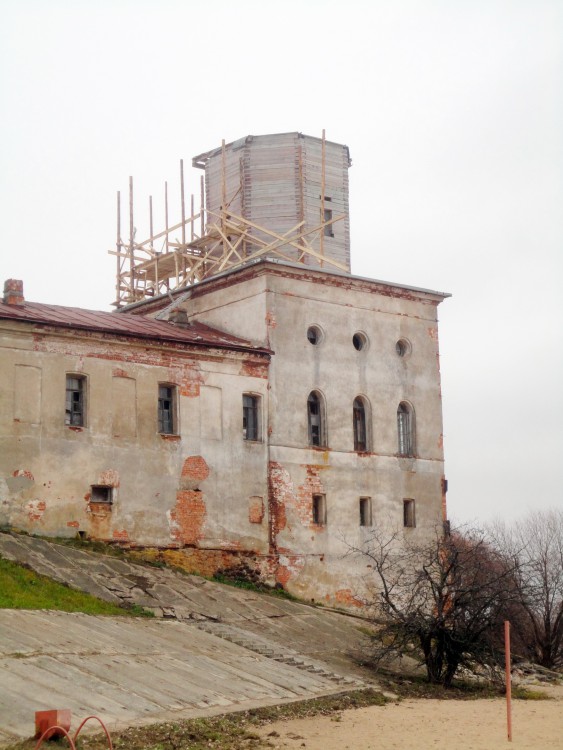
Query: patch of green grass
point(21, 588)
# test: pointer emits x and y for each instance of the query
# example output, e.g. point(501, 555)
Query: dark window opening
point(166, 409)
point(315, 418)
point(359, 340)
point(314, 335)
point(319, 510)
point(74, 408)
point(365, 511)
point(328, 230)
point(405, 429)
point(402, 347)
point(409, 520)
point(360, 434)
point(101, 493)
point(250, 417)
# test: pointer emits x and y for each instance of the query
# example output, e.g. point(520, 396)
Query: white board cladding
point(276, 181)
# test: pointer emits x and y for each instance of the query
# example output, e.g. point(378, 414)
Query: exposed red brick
point(288, 567)
point(109, 478)
point(23, 473)
point(271, 320)
point(188, 517)
point(73, 524)
point(13, 292)
point(256, 510)
point(35, 509)
point(280, 491)
point(304, 499)
point(121, 536)
point(117, 372)
point(254, 368)
point(346, 598)
point(283, 574)
point(195, 467)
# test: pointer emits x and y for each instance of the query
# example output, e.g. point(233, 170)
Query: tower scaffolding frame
point(210, 242)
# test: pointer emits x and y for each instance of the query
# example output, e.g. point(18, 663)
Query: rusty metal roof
point(139, 326)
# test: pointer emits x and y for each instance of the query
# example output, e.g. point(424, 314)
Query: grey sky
point(453, 112)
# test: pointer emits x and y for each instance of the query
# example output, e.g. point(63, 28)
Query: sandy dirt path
point(430, 725)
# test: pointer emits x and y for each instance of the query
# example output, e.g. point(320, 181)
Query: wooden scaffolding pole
point(323, 179)
point(131, 242)
point(118, 254)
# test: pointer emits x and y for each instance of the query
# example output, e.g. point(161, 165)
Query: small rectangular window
point(365, 511)
point(101, 493)
point(250, 417)
point(328, 227)
point(167, 419)
point(75, 412)
point(319, 510)
point(409, 519)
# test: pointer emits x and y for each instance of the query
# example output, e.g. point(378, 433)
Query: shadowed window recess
point(319, 510)
point(250, 417)
point(75, 409)
point(360, 413)
point(167, 409)
point(316, 417)
point(406, 429)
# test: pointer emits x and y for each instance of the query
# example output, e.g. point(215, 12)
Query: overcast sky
point(453, 113)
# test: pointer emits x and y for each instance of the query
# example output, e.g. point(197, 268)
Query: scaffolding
point(205, 242)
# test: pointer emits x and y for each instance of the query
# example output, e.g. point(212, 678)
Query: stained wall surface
point(311, 556)
point(201, 486)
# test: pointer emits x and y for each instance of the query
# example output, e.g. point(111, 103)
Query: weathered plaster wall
point(315, 565)
point(312, 560)
point(199, 487)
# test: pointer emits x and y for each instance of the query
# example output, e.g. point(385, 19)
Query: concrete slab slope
point(211, 648)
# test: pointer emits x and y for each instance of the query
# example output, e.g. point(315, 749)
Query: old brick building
point(269, 414)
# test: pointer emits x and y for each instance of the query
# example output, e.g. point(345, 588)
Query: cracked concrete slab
point(211, 648)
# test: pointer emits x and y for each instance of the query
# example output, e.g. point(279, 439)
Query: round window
point(359, 340)
point(314, 335)
point(403, 347)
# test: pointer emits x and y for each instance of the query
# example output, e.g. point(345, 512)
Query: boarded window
point(210, 413)
point(124, 407)
point(27, 394)
point(365, 511)
point(167, 420)
point(319, 510)
point(409, 519)
point(75, 409)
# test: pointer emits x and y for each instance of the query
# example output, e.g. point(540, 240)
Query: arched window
point(405, 429)
point(316, 419)
point(359, 415)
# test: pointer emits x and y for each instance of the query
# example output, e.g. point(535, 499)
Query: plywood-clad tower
point(288, 184)
point(281, 196)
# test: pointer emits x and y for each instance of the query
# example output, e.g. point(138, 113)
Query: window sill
point(75, 428)
point(167, 436)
